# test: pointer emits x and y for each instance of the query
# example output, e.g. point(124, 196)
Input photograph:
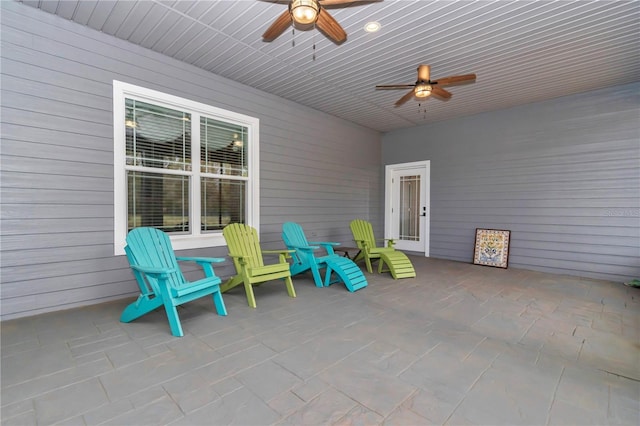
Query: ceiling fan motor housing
point(304, 12)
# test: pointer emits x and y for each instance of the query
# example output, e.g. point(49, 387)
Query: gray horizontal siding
point(56, 218)
point(562, 175)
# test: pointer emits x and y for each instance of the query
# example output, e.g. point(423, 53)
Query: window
point(181, 166)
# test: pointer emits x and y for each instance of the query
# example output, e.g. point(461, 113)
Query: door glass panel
point(409, 208)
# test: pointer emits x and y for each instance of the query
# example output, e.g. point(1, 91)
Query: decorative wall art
point(491, 247)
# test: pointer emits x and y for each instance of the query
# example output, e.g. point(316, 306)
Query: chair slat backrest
point(293, 237)
point(152, 248)
point(243, 241)
point(293, 234)
point(363, 232)
point(146, 287)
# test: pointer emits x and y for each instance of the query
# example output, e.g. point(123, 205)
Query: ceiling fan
point(305, 14)
point(424, 87)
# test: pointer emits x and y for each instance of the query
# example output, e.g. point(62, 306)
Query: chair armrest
point(242, 258)
point(201, 259)
point(283, 255)
point(239, 256)
point(278, 251)
point(390, 241)
point(159, 272)
point(324, 243)
point(308, 248)
point(364, 243)
point(204, 262)
point(327, 245)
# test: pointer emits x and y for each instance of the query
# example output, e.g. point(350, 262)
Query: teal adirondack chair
point(305, 259)
point(397, 263)
point(161, 282)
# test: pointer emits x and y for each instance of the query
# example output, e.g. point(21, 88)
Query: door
point(407, 205)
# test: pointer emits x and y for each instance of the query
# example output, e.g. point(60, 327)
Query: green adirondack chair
point(397, 263)
point(305, 259)
point(161, 282)
point(244, 249)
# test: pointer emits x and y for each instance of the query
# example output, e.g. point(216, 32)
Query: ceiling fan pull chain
point(293, 37)
point(314, 43)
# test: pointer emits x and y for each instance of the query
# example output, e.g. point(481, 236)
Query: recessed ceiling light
point(372, 27)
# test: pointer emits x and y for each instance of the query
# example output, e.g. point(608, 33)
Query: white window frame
point(196, 239)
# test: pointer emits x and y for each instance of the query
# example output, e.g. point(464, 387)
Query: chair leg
point(217, 300)
point(290, 289)
point(231, 283)
point(174, 320)
point(140, 307)
point(327, 276)
point(381, 264)
point(367, 260)
point(251, 299)
point(316, 275)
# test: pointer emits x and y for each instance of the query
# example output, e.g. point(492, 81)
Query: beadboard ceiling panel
point(521, 51)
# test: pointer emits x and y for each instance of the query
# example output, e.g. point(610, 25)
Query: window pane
point(223, 202)
point(223, 147)
point(157, 136)
point(157, 200)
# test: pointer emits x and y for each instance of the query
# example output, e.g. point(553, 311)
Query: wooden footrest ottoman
point(397, 263)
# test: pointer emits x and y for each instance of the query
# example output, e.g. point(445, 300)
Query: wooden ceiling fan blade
point(330, 27)
point(394, 86)
point(440, 93)
point(405, 98)
point(424, 72)
point(278, 27)
point(456, 79)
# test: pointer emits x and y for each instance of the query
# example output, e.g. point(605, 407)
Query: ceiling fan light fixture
point(304, 12)
point(422, 90)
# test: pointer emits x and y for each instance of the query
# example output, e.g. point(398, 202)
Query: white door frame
point(426, 193)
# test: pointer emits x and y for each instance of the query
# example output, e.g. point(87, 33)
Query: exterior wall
point(562, 175)
point(57, 160)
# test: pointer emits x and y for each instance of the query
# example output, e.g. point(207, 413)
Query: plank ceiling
point(521, 51)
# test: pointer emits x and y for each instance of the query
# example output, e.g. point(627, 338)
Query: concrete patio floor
point(460, 344)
